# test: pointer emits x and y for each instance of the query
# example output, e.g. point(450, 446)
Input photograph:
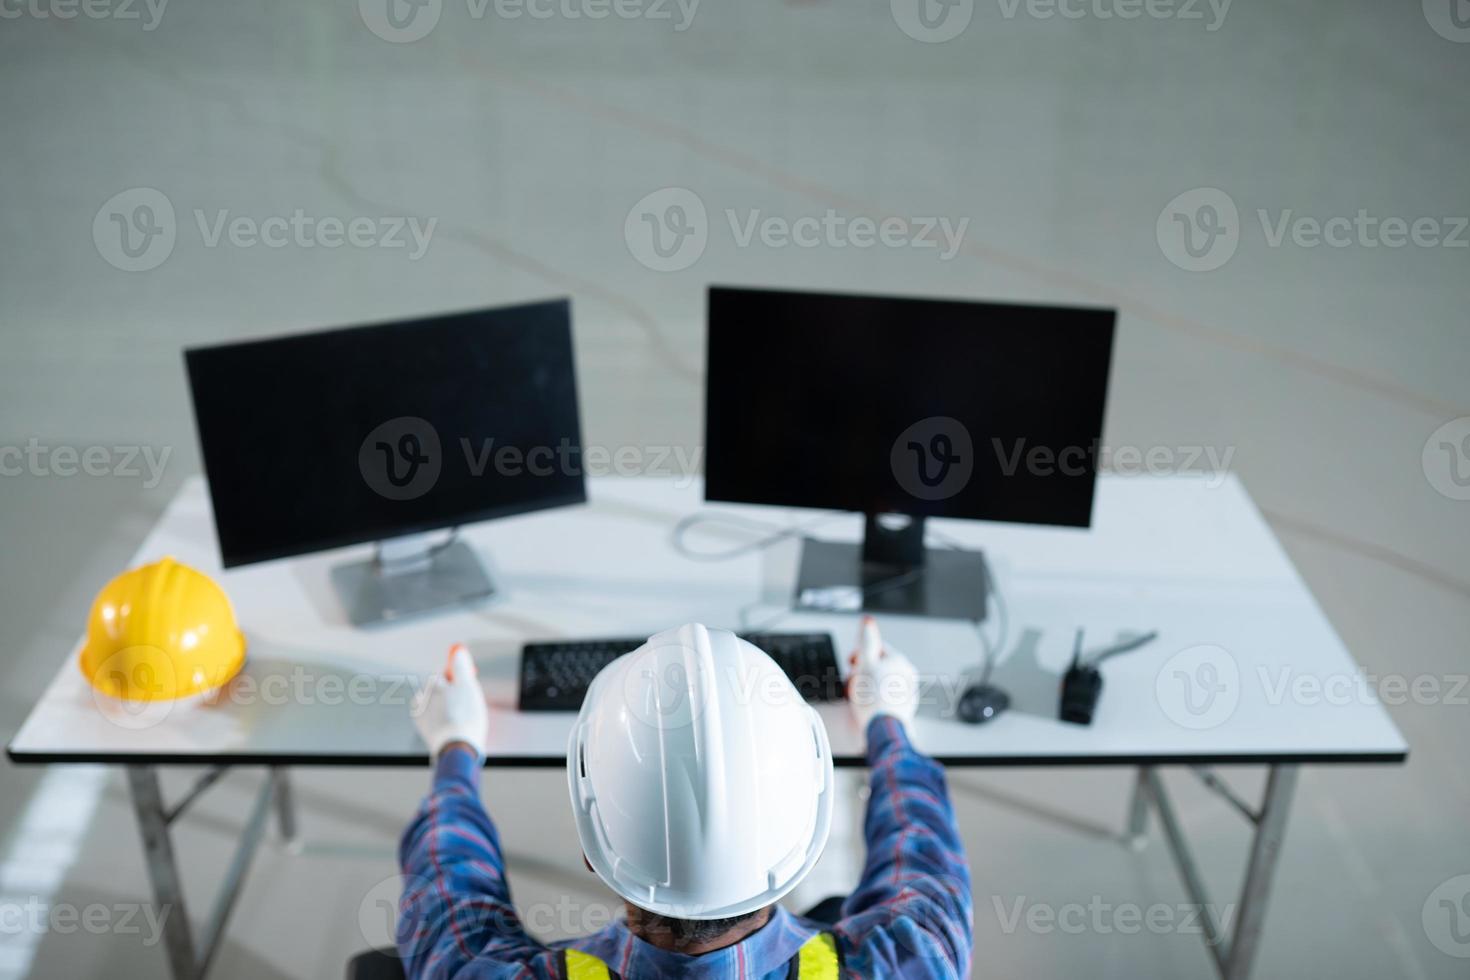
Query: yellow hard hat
point(159, 632)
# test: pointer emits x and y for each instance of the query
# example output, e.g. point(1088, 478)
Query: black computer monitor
point(899, 406)
point(319, 440)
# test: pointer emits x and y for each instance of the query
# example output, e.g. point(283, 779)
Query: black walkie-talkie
point(1081, 687)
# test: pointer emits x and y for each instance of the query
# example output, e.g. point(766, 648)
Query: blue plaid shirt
point(910, 915)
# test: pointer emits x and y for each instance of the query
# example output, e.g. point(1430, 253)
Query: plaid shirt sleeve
point(456, 904)
point(911, 915)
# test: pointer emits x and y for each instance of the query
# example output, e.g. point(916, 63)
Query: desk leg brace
point(1234, 954)
point(186, 959)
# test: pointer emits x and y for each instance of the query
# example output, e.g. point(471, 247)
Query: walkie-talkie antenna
point(1127, 646)
point(1077, 649)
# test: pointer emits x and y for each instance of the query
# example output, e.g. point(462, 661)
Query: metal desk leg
point(187, 959)
point(1234, 953)
point(163, 874)
point(1138, 810)
point(1251, 911)
point(285, 806)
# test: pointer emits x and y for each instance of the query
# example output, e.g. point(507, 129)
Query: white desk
point(1181, 555)
point(1193, 561)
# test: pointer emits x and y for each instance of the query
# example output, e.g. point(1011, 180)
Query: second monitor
point(903, 409)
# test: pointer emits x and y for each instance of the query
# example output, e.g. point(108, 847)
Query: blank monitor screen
point(326, 439)
point(925, 407)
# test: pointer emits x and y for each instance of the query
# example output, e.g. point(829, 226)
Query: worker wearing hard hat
point(702, 790)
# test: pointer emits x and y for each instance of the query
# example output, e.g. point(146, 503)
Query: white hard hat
point(701, 782)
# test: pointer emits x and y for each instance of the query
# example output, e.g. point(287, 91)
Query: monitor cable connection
point(774, 534)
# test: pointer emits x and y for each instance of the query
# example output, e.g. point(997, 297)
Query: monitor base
point(403, 580)
point(945, 583)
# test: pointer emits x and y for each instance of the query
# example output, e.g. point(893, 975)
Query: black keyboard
point(555, 675)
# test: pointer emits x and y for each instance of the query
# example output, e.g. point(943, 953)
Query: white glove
point(451, 707)
point(882, 680)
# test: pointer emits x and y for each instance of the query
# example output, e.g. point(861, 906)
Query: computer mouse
point(982, 702)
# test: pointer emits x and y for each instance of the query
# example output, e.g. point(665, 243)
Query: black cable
point(989, 650)
point(882, 585)
point(681, 529)
point(676, 537)
point(1127, 646)
point(1003, 614)
point(429, 552)
point(453, 537)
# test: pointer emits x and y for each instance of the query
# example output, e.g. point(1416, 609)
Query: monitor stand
point(410, 576)
point(892, 572)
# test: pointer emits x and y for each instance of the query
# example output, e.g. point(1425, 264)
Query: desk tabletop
point(1246, 668)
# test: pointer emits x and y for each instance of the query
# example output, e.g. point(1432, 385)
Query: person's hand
point(451, 707)
point(882, 680)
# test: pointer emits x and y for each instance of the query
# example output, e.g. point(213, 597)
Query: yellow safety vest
point(816, 960)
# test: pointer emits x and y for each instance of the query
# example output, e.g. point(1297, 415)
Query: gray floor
point(1324, 369)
